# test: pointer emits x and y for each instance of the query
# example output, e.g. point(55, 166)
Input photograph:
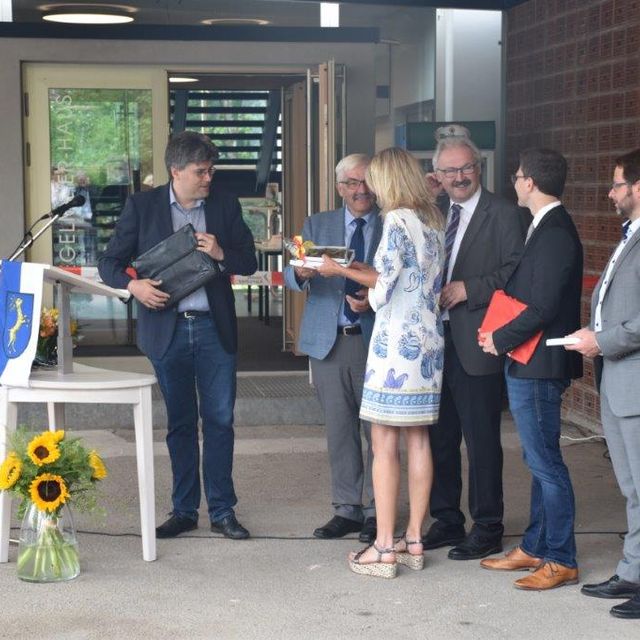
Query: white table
point(87, 385)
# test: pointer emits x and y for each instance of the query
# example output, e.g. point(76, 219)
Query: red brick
point(619, 42)
point(606, 14)
point(632, 103)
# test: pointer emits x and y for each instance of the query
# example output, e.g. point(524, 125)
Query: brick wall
point(573, 84)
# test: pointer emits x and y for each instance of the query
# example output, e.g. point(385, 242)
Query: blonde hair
point(398, 181)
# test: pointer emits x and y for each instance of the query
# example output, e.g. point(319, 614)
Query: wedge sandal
point(414, 561)
point(377, 569)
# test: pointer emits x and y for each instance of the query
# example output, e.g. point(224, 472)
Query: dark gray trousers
point(338, 380)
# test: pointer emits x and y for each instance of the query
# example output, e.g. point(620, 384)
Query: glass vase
point(48, 548)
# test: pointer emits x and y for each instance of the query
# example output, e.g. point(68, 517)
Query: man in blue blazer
point(193, 345)
point(335, 332)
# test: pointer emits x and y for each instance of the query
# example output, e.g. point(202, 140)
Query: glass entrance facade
point(100, 148)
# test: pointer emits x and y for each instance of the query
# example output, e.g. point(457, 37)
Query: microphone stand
point(29, 238)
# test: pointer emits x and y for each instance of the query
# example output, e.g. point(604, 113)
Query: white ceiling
point(281, 13)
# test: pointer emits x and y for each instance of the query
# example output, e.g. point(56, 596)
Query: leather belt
point(350, 330)
point(193, 313)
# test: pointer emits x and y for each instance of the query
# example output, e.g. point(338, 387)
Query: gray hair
point(350, 162)
point(456, 143)
point(189, 147)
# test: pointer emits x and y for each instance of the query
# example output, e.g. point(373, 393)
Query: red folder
point(501, 310)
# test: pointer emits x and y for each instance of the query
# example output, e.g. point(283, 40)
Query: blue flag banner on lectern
point(20, 302)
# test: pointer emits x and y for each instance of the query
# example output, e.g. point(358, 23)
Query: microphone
point(76, 201)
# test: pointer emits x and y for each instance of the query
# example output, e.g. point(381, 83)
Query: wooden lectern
point(78, 383)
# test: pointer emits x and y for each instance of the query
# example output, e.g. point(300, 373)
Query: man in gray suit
point(483, 241)
point(335, 332)
point(613, 338)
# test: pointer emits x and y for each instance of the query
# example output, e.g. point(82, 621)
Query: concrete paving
point(284, 584)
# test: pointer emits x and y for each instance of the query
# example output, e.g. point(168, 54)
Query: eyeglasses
point(616, 185)
point(515, 177)
point(352, 185)
point(201, 173)
point(452, 172)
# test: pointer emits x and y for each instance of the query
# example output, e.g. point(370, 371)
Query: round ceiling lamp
point(236, 22)
point(94, 13)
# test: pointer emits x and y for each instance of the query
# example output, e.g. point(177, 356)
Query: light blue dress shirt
point(196, 301)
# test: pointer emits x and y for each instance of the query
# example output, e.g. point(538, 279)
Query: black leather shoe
point(475, 547)
point(442, 535)
point(614, 587)
point(229, 527)
point(369, 531)
point(628, 609)
point(337, 527)
point(174, 526)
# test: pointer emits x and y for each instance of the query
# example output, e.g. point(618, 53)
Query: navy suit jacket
point(318, 331)
point(548, 279)
point(145, 221)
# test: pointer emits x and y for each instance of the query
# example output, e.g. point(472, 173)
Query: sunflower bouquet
point(47, 471)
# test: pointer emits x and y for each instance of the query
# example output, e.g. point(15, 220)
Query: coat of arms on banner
point(17, 323)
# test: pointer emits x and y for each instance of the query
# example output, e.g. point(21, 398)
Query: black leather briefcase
point(178, 263)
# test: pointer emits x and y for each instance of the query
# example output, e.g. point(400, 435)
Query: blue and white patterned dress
point(404, 367)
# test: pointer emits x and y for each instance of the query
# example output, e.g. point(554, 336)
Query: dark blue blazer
point(145, 221)
point(548, 279)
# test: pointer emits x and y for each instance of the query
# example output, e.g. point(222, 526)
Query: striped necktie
point(449, 238)
point(351, 286)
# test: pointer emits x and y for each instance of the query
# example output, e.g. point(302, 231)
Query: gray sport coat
point(318, 330)
point(619, 339)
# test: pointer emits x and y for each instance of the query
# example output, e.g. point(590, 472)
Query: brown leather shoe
point(548, 576)
point(514, 560)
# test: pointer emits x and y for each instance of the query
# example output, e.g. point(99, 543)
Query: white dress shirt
point(633, 227)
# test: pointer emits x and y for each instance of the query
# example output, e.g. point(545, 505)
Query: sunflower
point(57, 435)
point(10, 471)
point(43, 449)
point(48, 491)
point(96, 463)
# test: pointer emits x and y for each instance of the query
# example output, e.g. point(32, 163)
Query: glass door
point(91, 131)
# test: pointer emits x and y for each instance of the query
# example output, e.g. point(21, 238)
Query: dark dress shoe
point(174, 526)
point(442, 535)
point(369, 531)
point(475, 547)
point(337, 527)
point(229, 527)
point(628, 609)
point(614, 587)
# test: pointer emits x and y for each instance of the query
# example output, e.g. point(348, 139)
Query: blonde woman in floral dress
point(404, 365)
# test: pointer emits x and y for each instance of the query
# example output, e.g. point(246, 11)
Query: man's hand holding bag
point(178, 264)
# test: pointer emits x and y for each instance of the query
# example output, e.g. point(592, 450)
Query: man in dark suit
point(192, 346)
point(548, 280)
point(483, 243)
point(613, 338)
point(335, 333)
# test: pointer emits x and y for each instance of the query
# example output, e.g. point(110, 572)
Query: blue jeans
point(196, 362)
point(535, 406)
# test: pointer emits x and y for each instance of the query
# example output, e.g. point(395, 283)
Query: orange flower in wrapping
point(48, 327)
point(300, 247)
